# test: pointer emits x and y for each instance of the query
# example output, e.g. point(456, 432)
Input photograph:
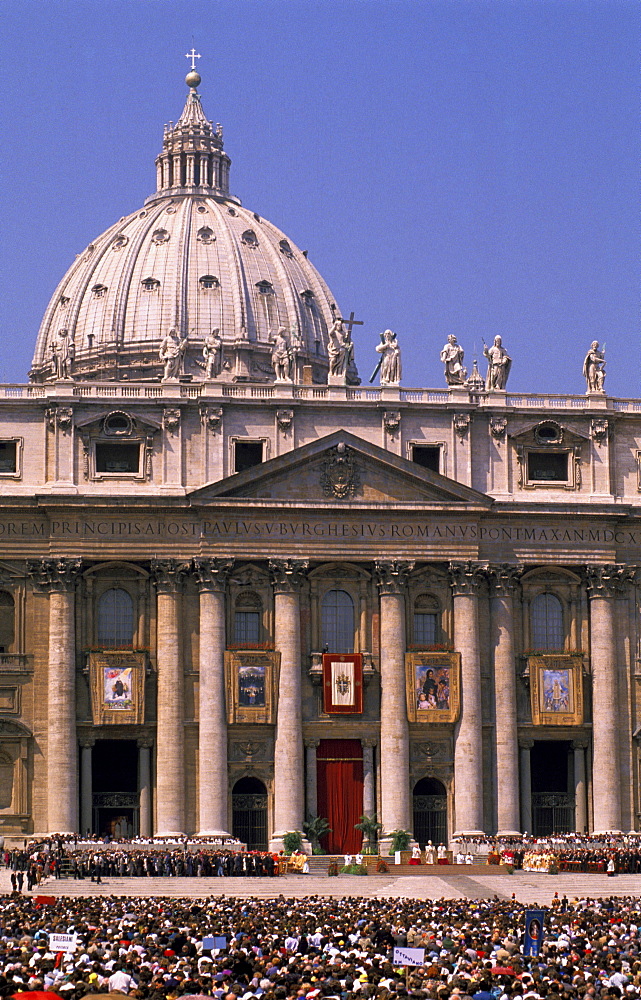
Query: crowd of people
point(319, 948)
point(45, 859)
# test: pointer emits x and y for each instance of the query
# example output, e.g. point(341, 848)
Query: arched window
point(7, 619)
point(426, 620)
point(115, 619)
point(547, 622)
point(248, 612)
point(337, 622)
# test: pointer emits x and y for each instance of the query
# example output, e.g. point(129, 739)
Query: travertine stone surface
point(395, 793)
point(144, 783)
point(58, 577)
point(468, 747)
point(170, 742)
point(288, 576)
point(604, 584)
point(212, 742)
point(503, 579)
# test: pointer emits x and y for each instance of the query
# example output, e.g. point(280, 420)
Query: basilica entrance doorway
point(553, 799)
point(114, 772)
point(249, 813)
point(340, 793)
point(430, 811)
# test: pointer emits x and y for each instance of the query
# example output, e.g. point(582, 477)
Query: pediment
point(117, 423)
point(546, 433)
point(342, 468)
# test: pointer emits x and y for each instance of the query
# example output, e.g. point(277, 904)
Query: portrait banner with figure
point(556, 689)
point(342, 683)
point(117, 686)
point(251, 680)
point(433, 686)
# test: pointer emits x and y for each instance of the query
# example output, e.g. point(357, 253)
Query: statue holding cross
point(340, 348)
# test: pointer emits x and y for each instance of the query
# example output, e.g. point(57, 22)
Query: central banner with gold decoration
point(342, 683)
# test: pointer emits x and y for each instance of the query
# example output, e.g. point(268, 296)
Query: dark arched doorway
point(249, 813)
point(430, 811)
point(114, 778)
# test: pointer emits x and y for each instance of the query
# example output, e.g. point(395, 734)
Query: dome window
point(307, 296)
point(265, 287)
point(120, 241)
point(232, 211)
point(249, 238)
point(99, 291)
point(160, 236)
point(150, 284)
point(285, 248)
point(64, 301)
point(209, 281)
point(205, 235)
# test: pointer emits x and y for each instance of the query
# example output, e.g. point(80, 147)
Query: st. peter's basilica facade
point(240, 589)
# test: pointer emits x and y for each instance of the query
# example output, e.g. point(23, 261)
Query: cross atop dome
point(193, 55)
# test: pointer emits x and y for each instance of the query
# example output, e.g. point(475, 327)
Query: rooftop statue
point(390, 362)
point(213, 354)
point(594, 368)
point(282, 357)
point(499, 365)
point(452, 357)
point(63, 352)
point(172, 352)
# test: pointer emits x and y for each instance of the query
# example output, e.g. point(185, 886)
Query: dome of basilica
point(192, 259)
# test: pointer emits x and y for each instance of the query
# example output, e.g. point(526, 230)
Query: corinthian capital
point(503, 578)
point(54, 574)
point(211, 574)
point(288, 575)
point(392, 574)
point(168, 575)
point(466, 577)
point(608, 580)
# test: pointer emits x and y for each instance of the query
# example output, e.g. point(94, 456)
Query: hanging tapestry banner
point(117, 687)
point(433, 680)
point(342, 683)
point(556, 689)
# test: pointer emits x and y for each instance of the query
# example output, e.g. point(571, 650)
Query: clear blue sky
point(452, 166)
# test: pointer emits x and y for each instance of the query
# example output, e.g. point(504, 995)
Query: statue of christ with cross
point(340, 348)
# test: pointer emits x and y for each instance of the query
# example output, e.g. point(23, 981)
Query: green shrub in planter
point(292, 841)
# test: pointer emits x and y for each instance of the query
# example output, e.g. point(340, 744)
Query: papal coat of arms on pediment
point(339, 473)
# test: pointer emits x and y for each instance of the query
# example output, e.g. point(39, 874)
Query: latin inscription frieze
point(329, 529)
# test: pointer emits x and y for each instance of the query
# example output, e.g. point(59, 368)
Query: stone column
point(369, 787)
point(468, 747)
point(86, 786)
point(580, 787)
point(526, 785)
point(288, 576)
point(58, 578)
point(604, 583)
point(212, 728)
point(503, 580)
point(391, 577)
point(145, 824)
point(168, 575)
point(311, 786)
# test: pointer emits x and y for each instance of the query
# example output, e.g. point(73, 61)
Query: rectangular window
point(547, 466)
point(425, 629)
point(247, 454)
point(8, 457)
point(117, 458)
point(427, 456)
point(246, 627)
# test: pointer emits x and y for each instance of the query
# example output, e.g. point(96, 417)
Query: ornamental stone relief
point(340, 476)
